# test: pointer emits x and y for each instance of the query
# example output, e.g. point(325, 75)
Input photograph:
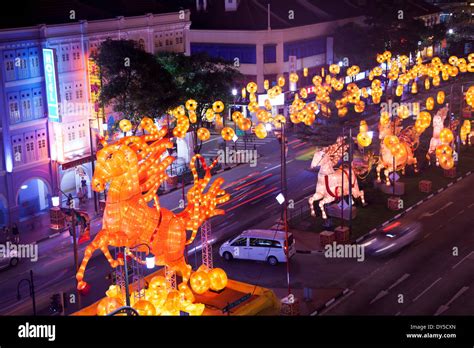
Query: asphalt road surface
point(430, 277)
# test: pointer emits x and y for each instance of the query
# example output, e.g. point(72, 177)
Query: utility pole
point(284, 189)
point(92, 164)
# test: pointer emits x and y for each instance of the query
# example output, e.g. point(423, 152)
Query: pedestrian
point(84, 189)
point(70, 201)
point(15, 234)
point(7, 233)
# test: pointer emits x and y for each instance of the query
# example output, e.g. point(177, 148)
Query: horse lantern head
point(317, 158)
point(112, 161)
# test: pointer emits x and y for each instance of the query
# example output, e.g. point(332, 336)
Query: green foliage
point(386, 28)
point(134, 83)
point(202, 78)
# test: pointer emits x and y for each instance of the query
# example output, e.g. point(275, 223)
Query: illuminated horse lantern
point(438, 125)
point(408, 140)
point(134, 169)
point(330, 181)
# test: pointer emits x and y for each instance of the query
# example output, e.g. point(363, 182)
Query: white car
point(259, 245)
point(8, 261)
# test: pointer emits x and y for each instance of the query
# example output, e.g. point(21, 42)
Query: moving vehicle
point(392, 238)
point(259, 245)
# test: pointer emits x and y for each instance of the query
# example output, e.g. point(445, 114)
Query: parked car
point(8, 261)
point(259, 245)
point(392, 238)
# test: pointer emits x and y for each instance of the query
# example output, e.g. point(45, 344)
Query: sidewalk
point(37, 229)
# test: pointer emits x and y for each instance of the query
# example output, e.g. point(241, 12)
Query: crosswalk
point(250, 143)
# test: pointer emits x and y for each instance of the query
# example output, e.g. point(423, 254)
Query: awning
point(76, 162)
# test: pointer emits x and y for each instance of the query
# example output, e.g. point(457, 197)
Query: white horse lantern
point(330, 185)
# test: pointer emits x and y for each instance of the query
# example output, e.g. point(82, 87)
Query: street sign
point(236, 303)
point(51, 85)
point(292, 63)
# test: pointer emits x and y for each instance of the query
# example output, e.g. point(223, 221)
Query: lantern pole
point(350, 181)
point(342, 181)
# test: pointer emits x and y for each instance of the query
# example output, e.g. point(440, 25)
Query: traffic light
point(56, 306)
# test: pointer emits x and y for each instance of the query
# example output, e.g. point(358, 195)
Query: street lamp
point(234, 92)
point(150, 264)
point(31, 286)
point(450, 31)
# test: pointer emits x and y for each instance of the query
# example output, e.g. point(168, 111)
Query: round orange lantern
point(252, 87)
point(244, 124)
point(446, 162)
point(218, 279)
point(125, 125)
point(218, 106)
point(227, 133)
point(203, 134)
point(364, 139)
point(281, 81)
point(294, 77)
point(191, 104)
point(199, 282)
point(440, 97)
point(443, 149)
point(261, 131)
point(237, 116)
point(446, 136)
point(145, 307)
point(108, 304)
point(430, 103)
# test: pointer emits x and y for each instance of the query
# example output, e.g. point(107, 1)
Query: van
point(259, 245)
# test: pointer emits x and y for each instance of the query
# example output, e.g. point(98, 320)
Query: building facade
point(49, 115)
point(279, 41)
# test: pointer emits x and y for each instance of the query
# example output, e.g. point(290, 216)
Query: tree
point(387, 27)
point(134, 82)
point(351, 41)
point(202, 78)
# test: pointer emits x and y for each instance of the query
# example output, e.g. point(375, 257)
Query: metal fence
point(299, 212)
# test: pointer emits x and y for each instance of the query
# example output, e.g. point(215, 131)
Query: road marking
point(445, 307)
point(464, 258)
point(424, 291)
point(427, 235)
point(470, 205)
point(437, 211)
point(384, 293)
point(335, 304)
point(461, 212)
point(398, 313)
point(381, 294)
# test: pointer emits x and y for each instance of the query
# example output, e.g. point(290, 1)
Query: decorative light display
point(135, 167)
point(465, 132)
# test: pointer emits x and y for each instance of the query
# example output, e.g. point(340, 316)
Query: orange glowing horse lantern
point(134, 168)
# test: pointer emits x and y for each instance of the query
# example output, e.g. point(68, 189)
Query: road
point(432, 276)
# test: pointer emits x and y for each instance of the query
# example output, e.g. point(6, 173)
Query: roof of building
point(253, 14)
point(250, 14)
point(28, 13)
